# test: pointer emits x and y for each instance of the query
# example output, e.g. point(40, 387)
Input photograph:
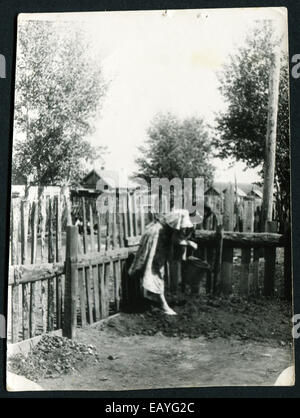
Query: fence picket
point(34, 225)
point(248, 224)
point(82, 296)
point(84, 226)
point(43, 218)
point(15, 313)
point(96, 292)
point(25, 310)
point(14, 230)
point(89, 295)
point(24, 230)
point(50, 231)
point(58, 227)
point(99, 232)
point(92, 229)
point(228, 218)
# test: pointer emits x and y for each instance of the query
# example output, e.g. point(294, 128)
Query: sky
point(161, 61)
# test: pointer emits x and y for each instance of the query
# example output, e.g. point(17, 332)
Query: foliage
point(59, 88)
point(242, 127)
point(176, 148)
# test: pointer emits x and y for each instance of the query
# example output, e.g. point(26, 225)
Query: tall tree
point(241, 129)
point(176, 148)
point(58, 92)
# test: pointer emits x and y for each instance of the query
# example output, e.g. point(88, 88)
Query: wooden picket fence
point(42, 247)
point(243, 232)
point(62, 275)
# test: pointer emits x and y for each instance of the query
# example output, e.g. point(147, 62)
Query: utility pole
point(270, 148)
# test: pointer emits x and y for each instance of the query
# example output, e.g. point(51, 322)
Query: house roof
point(243, 189)
point(113, 179)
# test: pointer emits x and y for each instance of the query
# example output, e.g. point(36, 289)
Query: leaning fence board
point(34, 272)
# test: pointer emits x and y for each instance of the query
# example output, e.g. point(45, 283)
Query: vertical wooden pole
point(256, 255)
point(270, 147)
point(228, 220)
point(270, 263)
point(248, 223)
point(70, 312)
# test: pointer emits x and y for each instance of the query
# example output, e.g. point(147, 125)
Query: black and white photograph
point(150, 211)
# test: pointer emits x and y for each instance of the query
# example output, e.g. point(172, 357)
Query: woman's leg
point(166, 308)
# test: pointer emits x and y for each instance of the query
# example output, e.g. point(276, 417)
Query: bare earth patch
point(211, 342)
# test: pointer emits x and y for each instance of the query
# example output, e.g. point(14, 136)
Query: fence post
point(248, 224)
point(270, 260)
point(218, 258)
point(70, 320)
point(226, 275)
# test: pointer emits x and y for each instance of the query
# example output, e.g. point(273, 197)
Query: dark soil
point(259, 319)
point(51, 357)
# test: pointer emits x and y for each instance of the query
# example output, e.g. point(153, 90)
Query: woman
point(156, 248)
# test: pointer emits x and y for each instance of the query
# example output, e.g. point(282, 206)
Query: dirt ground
point(211, 342)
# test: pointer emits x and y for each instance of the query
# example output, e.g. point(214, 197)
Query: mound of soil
point(259, 319)
point(51, 357)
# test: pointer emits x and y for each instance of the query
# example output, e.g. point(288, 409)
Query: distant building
point(214, 195)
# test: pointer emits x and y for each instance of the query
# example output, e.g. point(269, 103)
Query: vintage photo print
point(150, 216)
